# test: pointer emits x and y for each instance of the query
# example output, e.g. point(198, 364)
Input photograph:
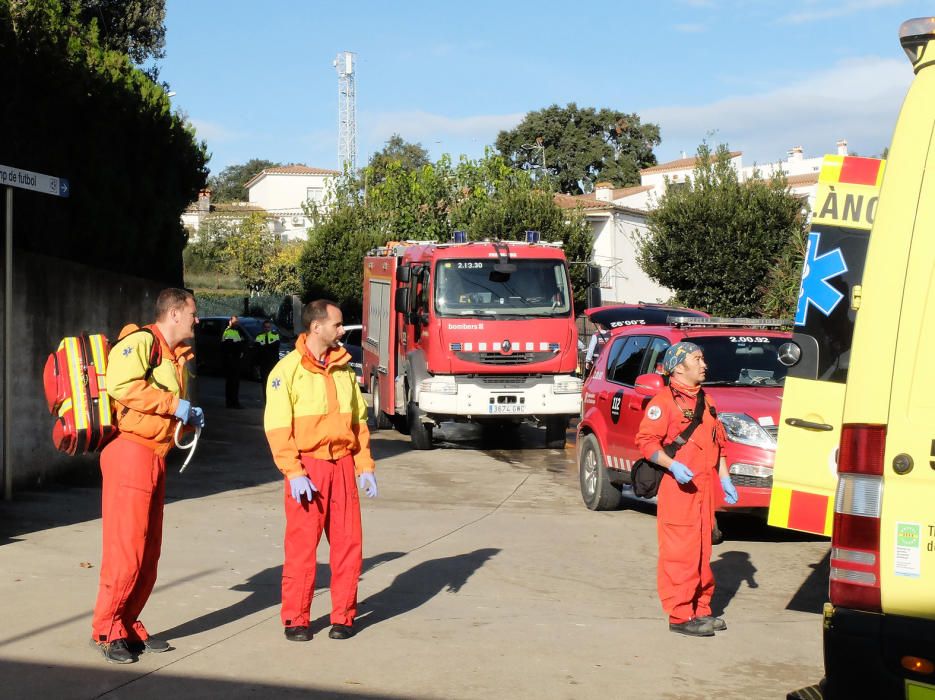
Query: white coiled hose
point(190, 446)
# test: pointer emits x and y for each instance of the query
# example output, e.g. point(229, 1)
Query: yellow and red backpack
point(75, 383)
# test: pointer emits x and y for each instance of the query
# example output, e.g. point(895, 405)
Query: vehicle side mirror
point(594, 297)
point(402, 301)
point(594, 275)
point(403, 273)
point(649, 384)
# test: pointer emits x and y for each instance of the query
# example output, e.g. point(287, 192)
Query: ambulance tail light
point(855, 539)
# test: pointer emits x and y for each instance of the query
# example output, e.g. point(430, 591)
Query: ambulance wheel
point(555, 429)
point(596, 490)
point(419, 432)
point(381, 421)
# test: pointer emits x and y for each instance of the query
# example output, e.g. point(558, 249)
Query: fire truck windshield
point(477, 288)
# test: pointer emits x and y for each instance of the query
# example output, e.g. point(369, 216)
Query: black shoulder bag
point(645, 475)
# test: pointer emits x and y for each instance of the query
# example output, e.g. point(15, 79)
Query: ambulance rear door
point(805, 470)
point(907, 523)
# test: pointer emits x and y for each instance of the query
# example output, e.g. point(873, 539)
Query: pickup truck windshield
point(476, 288)
point(745, 359)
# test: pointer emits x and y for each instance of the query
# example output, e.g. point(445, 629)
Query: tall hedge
point(73, 109)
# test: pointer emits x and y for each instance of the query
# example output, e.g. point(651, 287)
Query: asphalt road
point(484, 576)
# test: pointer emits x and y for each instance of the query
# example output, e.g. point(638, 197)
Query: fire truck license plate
point(505, 408)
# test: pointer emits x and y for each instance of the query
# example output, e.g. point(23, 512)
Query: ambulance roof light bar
point(914, 34)
point(720, 322)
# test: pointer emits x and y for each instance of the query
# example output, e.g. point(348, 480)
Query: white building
point(283, 191)
point(618, 215)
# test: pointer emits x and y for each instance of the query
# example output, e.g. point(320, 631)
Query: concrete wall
point(52, 299)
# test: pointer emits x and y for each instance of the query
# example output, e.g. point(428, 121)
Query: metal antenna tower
point(347, 110)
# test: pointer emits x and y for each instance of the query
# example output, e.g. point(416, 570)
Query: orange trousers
point(684, 520)
point(334, 510)
point(132, 497)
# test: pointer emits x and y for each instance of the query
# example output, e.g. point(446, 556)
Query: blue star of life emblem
point(276, 382)
point(126, 352)
point(816, 290)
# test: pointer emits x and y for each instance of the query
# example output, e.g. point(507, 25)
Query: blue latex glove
point(368, 482)
point(301, 486)
point(681, 473)
point(183, 411)
point(730, 491)
point(196, 418)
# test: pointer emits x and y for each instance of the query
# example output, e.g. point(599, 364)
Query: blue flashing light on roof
point(459, 237)
point(532, 236)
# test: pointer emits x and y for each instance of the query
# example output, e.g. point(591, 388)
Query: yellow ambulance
point(879, 626)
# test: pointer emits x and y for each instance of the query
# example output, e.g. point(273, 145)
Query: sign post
point(44, 184)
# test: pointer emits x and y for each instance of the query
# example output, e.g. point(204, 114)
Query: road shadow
point(731, 569)
point(813, 592)
point(43, 680)
point(752, 527)
point(415, 587)
point(265, 591)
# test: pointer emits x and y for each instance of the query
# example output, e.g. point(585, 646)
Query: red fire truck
point(470, 331)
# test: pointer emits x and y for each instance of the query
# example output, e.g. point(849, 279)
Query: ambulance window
point(657, 349)
point(824, 326)
point(627, 361)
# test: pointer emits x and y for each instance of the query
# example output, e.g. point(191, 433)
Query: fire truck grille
point(758, 482)
point(496, 358)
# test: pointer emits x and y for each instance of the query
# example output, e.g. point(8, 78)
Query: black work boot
point(151, 645)
point(116, 651)
point(696, 627)
point(717, 623)
point(341, 632)
point(298, 633)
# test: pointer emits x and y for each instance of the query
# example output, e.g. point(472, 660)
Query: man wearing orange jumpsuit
point(686, 498)
point(149, 388)
point(316, 425)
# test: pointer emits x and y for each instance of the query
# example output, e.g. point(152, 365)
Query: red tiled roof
point(589, 202)
point(680, 164)
point(291, 170)
point(627, 191)
point(799, 180)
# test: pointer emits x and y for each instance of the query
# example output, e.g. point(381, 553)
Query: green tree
point(208, 249)
point(715, 239)
point(228, 185)
point(133, 163)
point(581, 146)
point(250, 246)
point(133, 27)
point(409, 157)
point(281, 273)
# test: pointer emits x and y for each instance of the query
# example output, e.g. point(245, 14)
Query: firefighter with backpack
point(148, 381)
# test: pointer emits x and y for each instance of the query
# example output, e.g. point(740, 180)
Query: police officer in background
point(233, 344)
point(268, 352)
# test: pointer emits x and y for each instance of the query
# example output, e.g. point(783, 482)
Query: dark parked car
point(208, 356)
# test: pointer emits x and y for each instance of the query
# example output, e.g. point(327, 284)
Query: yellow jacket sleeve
point(278, 418)
point(127, 371)
point(363, 460)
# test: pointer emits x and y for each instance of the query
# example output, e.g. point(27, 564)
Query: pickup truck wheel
point(555, 429)
point(380, 420)
point(597, 491)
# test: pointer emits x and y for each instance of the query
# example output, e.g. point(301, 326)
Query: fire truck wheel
point(381, 421)
point(419, 432)
point(555, 429)
point(596, 490)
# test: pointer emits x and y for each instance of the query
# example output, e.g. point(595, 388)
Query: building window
point(314, 194)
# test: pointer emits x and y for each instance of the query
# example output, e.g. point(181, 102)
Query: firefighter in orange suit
point(150, 401)
point(687, 493)
point(316, 424)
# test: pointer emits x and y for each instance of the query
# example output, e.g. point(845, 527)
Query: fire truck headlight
point(567, 385)
point(439, 385)
point(743, 429)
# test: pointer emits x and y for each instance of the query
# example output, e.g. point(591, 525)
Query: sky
point(256, 78)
